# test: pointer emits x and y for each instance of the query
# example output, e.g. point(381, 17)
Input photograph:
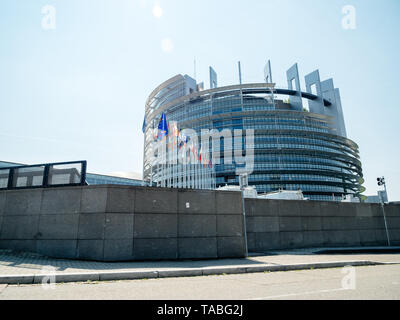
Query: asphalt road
point(376, 282)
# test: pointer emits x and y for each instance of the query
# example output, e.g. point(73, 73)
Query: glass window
point(4, 178)
point(65, 174)
point(28, 177)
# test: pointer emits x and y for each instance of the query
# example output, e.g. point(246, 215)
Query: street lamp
point(244, 183)
point(381, 182)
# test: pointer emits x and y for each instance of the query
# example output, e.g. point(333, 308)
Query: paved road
point(15, 263)
point(376, 282)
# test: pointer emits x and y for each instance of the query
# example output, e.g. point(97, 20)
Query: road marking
point(300, 294)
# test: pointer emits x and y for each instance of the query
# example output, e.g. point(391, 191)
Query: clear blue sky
point(78, 92)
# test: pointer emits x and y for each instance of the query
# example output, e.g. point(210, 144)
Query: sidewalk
point(28, 268)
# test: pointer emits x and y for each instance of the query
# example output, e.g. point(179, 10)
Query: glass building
point(300, 140)
point(96, 179)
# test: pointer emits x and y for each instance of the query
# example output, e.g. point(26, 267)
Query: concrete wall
point(118, 223)
point(122, 223)
point(277, 224)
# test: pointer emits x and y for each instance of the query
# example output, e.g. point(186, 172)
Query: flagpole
point(144, 149)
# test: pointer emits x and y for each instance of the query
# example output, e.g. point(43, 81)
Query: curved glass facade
point(292, 149)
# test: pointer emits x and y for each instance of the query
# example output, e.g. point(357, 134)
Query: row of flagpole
point(176, 141)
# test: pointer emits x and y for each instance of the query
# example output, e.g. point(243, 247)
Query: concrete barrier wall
point(277, 224)
point(117, 223)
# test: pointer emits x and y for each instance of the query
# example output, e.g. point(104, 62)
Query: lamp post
point(244, 183)
point(381, 182)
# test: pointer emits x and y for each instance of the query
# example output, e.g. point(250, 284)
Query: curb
point(195, 272)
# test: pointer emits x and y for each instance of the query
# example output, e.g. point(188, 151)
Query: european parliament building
point(300, 140)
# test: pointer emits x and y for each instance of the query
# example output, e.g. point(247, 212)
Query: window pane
point(4, 178)
point(28, 177)
point(65, 174)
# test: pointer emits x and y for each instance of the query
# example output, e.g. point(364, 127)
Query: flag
point(182, 139)
point(169, 136)
point(176, 133)
point(203, 157)
point(173, 133)
point(144, 125)
point(162, 127)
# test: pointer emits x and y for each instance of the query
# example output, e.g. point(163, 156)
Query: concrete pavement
point(370, 283)
point(27, 268)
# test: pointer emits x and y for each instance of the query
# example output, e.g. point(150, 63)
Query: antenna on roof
point(240, 73)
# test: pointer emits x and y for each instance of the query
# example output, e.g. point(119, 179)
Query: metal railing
point(47, 175)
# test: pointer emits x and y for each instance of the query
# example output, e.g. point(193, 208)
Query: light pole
point(381, 182)
point(244, 183)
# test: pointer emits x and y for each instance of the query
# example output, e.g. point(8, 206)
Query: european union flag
point(144, 125)
point(162, 127)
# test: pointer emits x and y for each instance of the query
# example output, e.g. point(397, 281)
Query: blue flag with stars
point(162, 127)
point(144, 125)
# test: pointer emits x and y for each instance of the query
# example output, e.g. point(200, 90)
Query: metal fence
point(44, 175)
